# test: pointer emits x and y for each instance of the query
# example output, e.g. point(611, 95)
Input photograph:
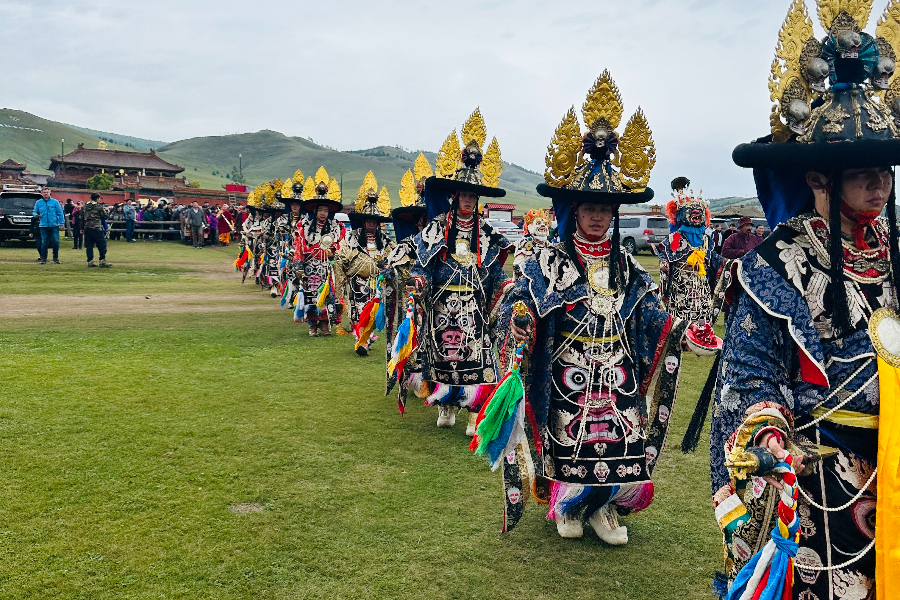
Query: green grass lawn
point(128, 440)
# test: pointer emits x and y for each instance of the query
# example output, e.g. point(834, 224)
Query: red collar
point(861, 219)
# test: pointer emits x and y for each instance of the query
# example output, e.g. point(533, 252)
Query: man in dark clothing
point(78, 227)
point(94, 215)
point(196, 218)
point(67, 211)
point(741, 242)
point(51, 220)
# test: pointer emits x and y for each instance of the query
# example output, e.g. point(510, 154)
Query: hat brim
point(851, 154)
point(357, 218)
point(451, 185)
point(409, 213)
point(608, 198)
point(313, 204)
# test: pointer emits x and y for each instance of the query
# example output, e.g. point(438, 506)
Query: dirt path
point(17, 306)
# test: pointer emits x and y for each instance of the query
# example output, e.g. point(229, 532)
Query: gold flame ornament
point(422, 168)
point(334, 190)
point(448, 156)
point(287, 189)
point(309, 189)
point(369, 186)
point(408, 193)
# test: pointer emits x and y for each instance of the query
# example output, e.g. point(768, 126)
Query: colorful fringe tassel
point(405, 343)
point(770, 573)
point(242, 259)
point(299, 306)
point(366, 324)
point(501, 420)
point(324, 290)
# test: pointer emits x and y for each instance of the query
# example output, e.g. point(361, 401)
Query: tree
point(194, 183)
point(100, 181)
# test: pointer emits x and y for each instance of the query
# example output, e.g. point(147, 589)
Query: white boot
point(606, 524)
point(446, 416)
point(470, 427)
point(569, 528)
point(273, 292)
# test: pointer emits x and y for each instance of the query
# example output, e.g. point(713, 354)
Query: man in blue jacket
point(130, 214)
point(50, 220)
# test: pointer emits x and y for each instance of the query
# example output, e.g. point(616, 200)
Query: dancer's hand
point(521, 335)
point(773, 443)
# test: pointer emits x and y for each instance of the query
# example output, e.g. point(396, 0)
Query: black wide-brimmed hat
point(598, 166)
point(321, 190)
point(371, 205)
point(466, 168)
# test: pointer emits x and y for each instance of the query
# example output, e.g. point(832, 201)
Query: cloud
point(356, 74)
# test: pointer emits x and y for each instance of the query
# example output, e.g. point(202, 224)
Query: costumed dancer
point(602, 358)
point(317, 238)
point(410, 218)
point(361, 258)
point(459, 274)
point(537, 232)
point(692, 276)
point(286, 226)
point(246, 260)
point(813, 337)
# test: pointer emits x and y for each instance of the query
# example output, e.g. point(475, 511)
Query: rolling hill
point(266, 154)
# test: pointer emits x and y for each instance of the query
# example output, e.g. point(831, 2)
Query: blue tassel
point(379, 316)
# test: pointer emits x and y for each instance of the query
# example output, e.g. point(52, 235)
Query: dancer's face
point(594, 219)
point(467, 202)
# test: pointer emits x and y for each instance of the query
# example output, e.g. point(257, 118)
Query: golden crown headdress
point(468, 164)
point(369, 200)
point(586, 162)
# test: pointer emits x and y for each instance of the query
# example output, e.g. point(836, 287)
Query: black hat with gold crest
point(599, 166)
point(321, 190)
point(466, 168)
point(837, 107)
point(371, 205)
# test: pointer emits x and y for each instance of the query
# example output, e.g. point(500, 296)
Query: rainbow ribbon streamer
point(405, 343)
point(501, 420)
point(770, 573)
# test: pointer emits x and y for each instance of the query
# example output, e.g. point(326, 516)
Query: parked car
point(16, 206)
point(507, 228)
point(642, 232)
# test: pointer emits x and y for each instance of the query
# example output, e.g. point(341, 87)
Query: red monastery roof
point(115, 159)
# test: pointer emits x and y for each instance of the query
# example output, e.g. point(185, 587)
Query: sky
point(355, 74)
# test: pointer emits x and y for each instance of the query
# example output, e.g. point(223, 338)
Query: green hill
point(269, 154)
point(32, 140)
point(128, 141)
point(211, 160)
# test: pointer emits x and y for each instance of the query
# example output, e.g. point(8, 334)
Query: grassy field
point(197, 454)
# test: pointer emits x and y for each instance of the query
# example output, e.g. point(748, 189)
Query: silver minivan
point(642, 231)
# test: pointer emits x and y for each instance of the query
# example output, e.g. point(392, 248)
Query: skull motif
point(601, 471)
point(884, 70)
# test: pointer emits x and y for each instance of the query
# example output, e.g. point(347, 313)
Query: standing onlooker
point(760, 231)
point(197, 220)
point(78, 226)
point(94, 215)
point(226, 224)
point(717, 239)
point(116, 222)
point(185, 225)
point(742, 242)
point(732, 229)
point(50, 213)
point(130, 215)
point(67, 211)
point(213, 226)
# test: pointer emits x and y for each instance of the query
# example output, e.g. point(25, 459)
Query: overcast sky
point(355, 74)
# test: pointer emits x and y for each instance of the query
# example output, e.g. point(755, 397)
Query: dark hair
point(451, 236)
point(840, 317)
point(95, 196)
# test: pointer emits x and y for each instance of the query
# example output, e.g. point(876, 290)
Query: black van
point(16, 207)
